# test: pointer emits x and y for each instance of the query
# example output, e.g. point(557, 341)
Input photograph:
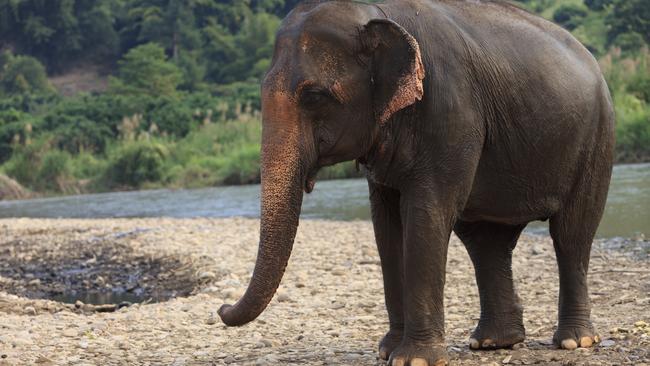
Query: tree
point(60, 32)
point(22, 75)
point(629, 16)
point(145, 70)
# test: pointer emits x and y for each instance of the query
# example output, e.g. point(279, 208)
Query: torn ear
point(396, 67)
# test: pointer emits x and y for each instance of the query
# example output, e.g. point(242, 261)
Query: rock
point(43, 360)
point(207, 276)
point(284, 297)
point(29, 310)
point(519, 346)
point(211, 320)
point(210, 290)
point(232, 293)
point(506, 360)
point(70, 332)
point(607, 343)
point(266, 360)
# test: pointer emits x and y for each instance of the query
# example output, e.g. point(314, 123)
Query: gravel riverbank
point(329, 310)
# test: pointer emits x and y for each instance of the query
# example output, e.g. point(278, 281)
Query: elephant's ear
point(396, 66)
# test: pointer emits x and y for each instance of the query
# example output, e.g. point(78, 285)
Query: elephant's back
point(539, 97)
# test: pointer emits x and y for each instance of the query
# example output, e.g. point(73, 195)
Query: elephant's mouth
point(310, 182)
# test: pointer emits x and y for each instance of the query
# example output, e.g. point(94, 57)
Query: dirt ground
point(329, 310)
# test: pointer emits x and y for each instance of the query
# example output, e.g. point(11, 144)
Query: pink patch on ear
point(409, 86)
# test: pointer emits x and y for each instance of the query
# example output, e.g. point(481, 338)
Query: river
point(627, 213)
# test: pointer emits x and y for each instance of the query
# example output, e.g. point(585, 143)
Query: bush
point(633, 139)
point(240, 166)
point(175, 119)
point(87, 167)
point(23, 165)
point(597, 5)
point(54, 170)
point(347, 169)
point(136, 163)
point(569, 16)
point(629, 43)
point(639, 86)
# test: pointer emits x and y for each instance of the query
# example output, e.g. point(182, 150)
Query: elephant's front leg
point(387, 223)
point(427, 226)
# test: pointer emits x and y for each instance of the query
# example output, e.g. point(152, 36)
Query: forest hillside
point(129, 94)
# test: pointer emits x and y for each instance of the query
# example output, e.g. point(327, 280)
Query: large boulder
point(11, 190)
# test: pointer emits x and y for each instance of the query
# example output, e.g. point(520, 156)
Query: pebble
point(207, 276)
point(29, 310)
point(211, 320)
point(70, 332)
point(519, 346)
point(607, 343)
point(284, 297)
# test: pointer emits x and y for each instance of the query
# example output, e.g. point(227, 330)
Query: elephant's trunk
point(282, 182)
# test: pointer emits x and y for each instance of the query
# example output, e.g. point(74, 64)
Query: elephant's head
point(340, 70)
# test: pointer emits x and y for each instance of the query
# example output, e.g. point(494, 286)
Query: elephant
point(473, 117)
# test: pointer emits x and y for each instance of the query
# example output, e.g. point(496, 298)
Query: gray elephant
point(469, 116)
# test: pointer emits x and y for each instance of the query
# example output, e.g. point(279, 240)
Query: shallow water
point(627, 212)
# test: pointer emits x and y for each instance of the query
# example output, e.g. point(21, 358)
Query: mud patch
point(97, 270)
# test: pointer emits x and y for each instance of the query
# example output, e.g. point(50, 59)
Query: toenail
point(569, 344)
point(473, 343)
point(419, 362)
point(596, 339)
point(586, 342)
point(398, 362)
point(383, 354)
point(488, 343)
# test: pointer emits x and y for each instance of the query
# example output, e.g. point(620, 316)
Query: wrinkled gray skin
point(470, 116)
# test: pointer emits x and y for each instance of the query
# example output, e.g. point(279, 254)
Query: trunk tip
point(229, 316)
point(226, 315)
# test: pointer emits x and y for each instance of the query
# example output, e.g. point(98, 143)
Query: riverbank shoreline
point(36, 195)
point(328, 311)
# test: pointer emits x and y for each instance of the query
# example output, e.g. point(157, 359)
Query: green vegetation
point(181, 102)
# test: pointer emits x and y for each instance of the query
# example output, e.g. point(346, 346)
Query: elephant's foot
point(391, 340)
point(501, 331)
point(409, 353)
point(574, 336)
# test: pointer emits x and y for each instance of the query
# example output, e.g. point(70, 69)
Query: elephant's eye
point(314, 98)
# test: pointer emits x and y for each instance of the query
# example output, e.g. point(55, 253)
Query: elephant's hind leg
point(388, 234)
point(490, 247)
point(573, 231)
